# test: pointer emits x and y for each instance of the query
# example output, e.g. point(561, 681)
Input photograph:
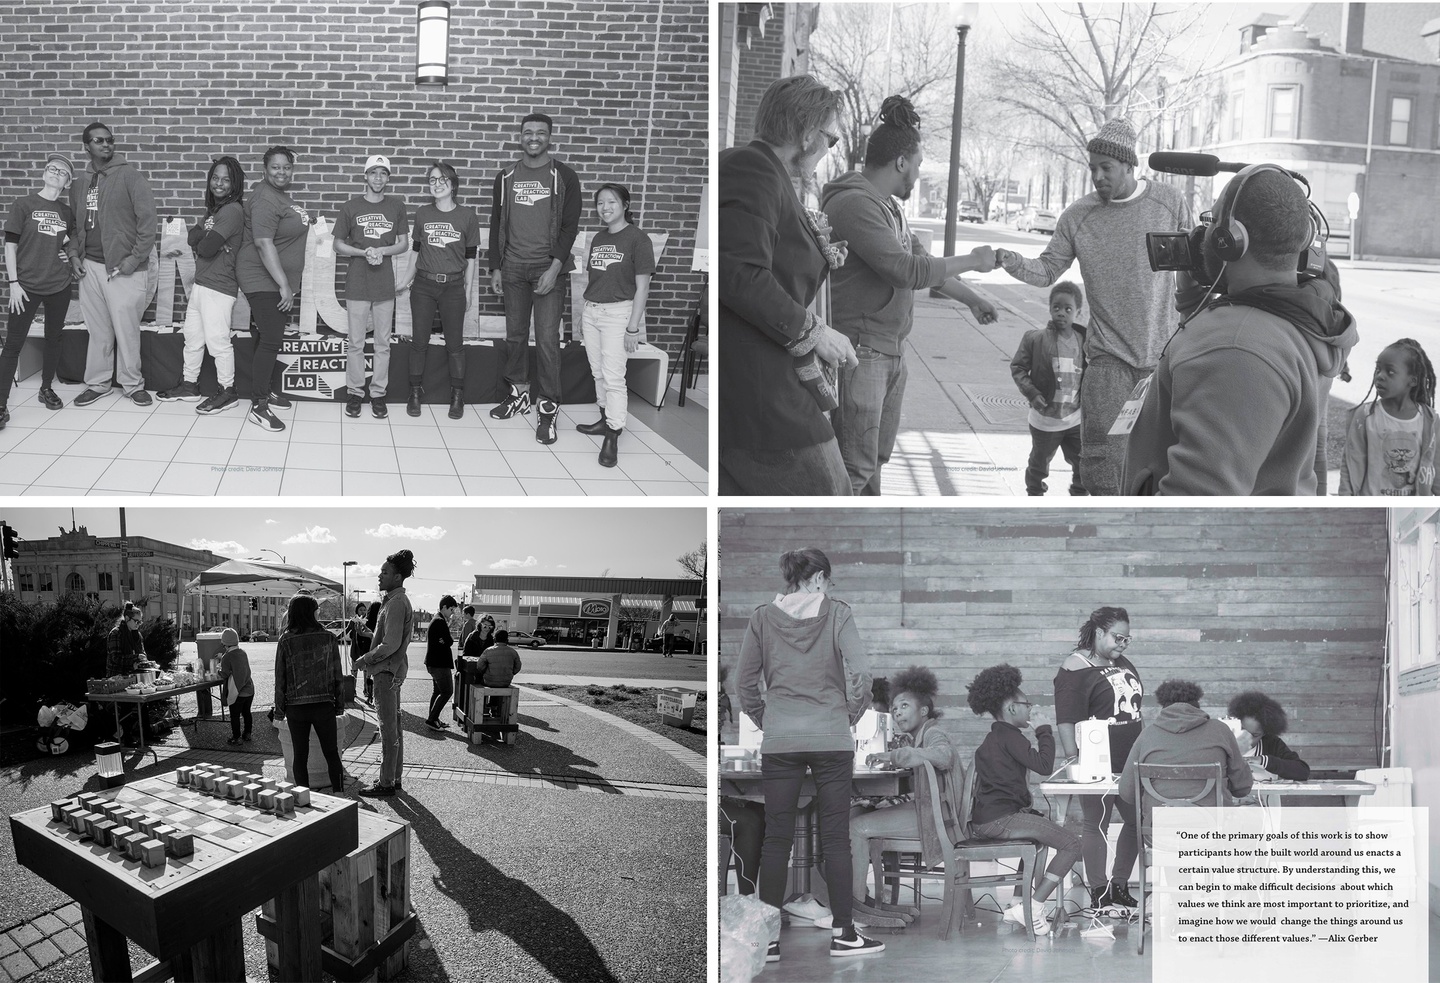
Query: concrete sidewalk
point(576, 853)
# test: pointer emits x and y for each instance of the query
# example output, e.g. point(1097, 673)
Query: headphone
point(1229, 238)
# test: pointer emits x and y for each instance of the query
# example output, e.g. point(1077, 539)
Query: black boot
point(596, 428)
point(412, 406)
point(609, 449)
point(457, 403)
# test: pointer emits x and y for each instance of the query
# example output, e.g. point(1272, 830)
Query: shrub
point(594, 690)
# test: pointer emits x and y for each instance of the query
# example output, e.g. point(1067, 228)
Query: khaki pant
point(112, 310)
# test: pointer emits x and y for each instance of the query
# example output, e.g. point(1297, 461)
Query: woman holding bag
point(805, 648)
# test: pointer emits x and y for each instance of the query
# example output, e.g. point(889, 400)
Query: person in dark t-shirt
point(621, 261)
point(41, 257)
point(1097, 682)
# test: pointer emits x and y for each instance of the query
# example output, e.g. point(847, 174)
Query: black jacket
point(1278, 759)
point(438, 643)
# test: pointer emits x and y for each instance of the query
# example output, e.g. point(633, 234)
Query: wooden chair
point(1146, 796)
point(958, 857)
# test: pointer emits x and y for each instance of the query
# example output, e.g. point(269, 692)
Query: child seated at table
point(1002, 808)
point(912, 705)
point(1262, 721)
point(498, 665)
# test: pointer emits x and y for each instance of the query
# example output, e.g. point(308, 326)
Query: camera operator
point(1129, 303)
point(1234, 406)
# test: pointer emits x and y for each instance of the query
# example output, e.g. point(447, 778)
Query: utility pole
point(124, 562)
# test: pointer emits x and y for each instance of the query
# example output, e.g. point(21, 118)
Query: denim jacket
point(307, 670)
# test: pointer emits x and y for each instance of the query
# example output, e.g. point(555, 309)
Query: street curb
point(681, 753)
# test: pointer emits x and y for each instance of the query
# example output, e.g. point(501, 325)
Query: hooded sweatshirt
point(126, 213)
point(808, 654)
point(872, 297)
point(1233, 408)
point(1183, 734)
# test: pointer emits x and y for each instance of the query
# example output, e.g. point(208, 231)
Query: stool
point(365, 917)
point(502, 726)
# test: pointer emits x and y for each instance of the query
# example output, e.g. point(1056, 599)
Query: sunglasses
point(1122, 639)
point(102, 139)
point(834, 138)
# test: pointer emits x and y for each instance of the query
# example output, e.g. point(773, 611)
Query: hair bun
point(898, 111)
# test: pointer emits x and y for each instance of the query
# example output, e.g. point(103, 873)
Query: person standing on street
point(440, 662)
point(872, 297)
point(1130, 304)
point(370, 228)
point(388, 662)
point(115, 237)
point(667, 632)
point(534, 219)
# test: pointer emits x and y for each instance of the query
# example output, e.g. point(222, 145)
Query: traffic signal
point(11, 550)
point(254, 604)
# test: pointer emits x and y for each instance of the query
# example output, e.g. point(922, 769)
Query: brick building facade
point(181, 83)
point(1290, 601)
point(759, 43)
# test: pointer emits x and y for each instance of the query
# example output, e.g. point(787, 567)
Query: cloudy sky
point(451, 545)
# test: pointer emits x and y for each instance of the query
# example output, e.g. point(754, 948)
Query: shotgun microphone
point(1200, 165)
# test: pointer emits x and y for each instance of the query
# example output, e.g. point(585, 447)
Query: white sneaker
point(1016, 914)
point(857, 945)
point(827, 920)
point(806, 906)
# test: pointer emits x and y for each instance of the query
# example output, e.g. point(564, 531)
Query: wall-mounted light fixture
point(432, 43)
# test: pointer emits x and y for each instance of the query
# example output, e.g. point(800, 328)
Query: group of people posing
point(804, 679)
point(1227, 382)
point(254, 240)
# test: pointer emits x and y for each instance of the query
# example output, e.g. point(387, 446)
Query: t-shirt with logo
point(42, 226)
point(1110, 692)
point(1393, 454)
point(1063, 411)
point(532, 196)
point(444, 237)
point(94, 248)
point(218, 272)
point(363, 224)
point(616, 258)
point(274, 215)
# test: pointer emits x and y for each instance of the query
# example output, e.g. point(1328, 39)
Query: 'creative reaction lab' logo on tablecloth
point(315, 368)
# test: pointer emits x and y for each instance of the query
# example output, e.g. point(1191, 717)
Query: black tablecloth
point(162, 363)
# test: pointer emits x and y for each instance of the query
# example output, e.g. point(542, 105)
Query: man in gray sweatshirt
point(1130, 305)
point(872, 297)
point(115, 210)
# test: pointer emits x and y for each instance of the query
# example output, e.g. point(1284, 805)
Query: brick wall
point(760, 64)
point(1290, 601)
point(183, 82)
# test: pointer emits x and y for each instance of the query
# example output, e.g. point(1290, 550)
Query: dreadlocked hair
point(1422, 373)
point(990, 690)
point(898, 134)
point(920, 683)
point(1100, 620)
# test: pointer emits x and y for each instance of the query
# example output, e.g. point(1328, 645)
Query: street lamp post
point(347, 615)
point(964, 17)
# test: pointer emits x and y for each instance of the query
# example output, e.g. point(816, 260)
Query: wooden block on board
point(87, 822)
point(284, 803)
point(182, 775)
point(164, 832)
point(302, 795)
point(152, 853)
point(267, 799)
point(252, 793)
point(234, 789)
point(181, 844)
point(57, 809)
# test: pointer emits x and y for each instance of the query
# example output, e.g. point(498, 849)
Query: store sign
point(595, 607)
point(314, 368)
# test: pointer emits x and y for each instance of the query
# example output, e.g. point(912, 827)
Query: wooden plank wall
point(1290, 601)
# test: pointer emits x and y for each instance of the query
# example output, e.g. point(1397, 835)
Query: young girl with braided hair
point(1390, 441)
point(1097, 682)
point(1002, 808)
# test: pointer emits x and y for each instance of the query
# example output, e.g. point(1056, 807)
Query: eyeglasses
point(1022, 703)
point(1122, 639)
point(834, 138)
point(102, 139)
point(439, 180)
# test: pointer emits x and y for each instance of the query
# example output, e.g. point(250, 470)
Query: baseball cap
point(377, 160)
point(51, 157)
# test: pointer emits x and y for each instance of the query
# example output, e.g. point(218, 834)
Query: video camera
point(1183, 252)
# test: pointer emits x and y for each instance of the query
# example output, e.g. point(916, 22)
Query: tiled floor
point(113, 447)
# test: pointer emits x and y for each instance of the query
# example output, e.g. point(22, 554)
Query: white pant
point(112, 310)
point(207, 325)
point(604, 330)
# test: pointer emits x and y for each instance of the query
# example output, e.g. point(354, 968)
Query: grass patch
point(637, 705)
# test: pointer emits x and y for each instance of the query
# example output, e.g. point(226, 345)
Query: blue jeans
point(868, 417)
point(781, 776)
point(392, 735)
point(426, 298)
point(1024, 826)
point(520, 301)
point(1043, 444)
point(815, 470)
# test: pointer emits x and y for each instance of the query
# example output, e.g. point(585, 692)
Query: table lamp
point(112, 767)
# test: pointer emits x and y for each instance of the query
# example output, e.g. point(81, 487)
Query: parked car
point(1032, 219)
point(518, 638)
point(970, 212)
point(683, 643)
point(259, 636)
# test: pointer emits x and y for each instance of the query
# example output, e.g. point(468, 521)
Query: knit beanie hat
point(229, 638)
point(1116, 139)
